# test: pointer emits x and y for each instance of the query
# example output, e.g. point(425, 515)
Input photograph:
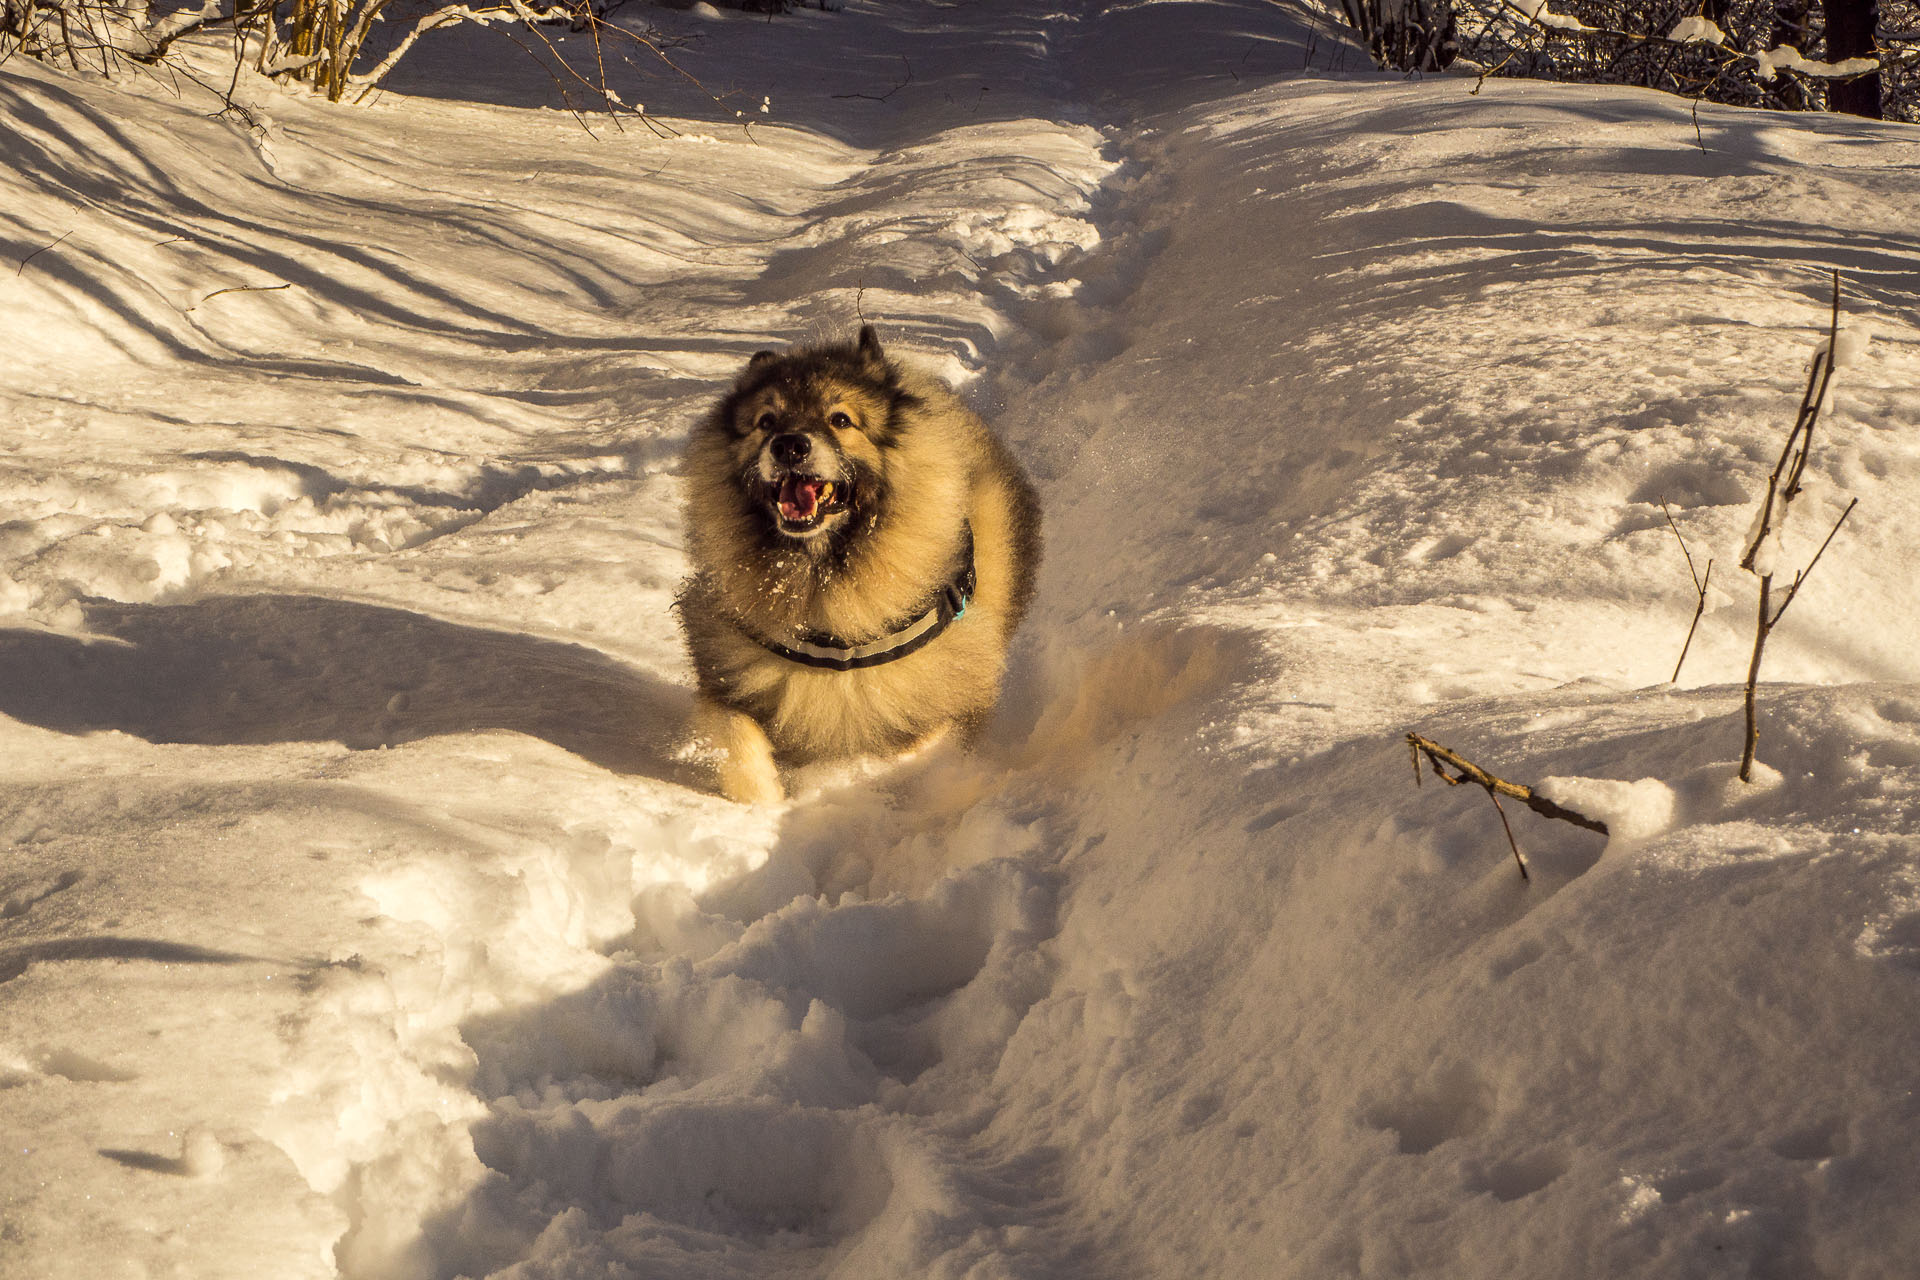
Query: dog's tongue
point(799, 499)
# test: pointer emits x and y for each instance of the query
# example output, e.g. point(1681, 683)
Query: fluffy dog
point(862, 548)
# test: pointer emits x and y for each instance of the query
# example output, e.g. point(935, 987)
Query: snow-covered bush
point(340, 47)
point(1840, 55)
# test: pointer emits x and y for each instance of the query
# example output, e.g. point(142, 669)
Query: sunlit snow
point(360, 914)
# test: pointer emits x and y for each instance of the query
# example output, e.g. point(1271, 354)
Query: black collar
point(829, 653)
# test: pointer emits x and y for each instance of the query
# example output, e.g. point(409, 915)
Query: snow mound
point(360, 915)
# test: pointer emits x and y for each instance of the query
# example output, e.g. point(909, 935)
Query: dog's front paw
point(750, 781)
point(745, 767)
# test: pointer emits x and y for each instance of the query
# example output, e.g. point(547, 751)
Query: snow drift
point(358, 915)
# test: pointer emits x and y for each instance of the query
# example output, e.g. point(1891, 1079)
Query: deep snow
point(359, 914)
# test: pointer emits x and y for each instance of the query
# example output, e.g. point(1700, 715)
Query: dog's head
point(809, 431)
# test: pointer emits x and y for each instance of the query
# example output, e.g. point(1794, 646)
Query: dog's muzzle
point(800, 491)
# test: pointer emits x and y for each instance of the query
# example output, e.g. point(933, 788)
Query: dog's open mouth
point(803, 502)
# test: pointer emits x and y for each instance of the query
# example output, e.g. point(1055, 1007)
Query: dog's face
point(810, 433)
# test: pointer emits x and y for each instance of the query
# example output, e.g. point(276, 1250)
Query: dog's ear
point(761, 359)
point(868, 347)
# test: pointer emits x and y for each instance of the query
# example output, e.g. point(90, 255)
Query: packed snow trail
point(359, 917)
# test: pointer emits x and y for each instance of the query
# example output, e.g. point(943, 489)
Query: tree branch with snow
point(315, 42)
point(1737, 51)
point(1763, 547)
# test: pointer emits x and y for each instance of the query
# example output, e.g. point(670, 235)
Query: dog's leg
point(746, 769)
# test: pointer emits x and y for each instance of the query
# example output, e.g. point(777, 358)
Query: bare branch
point(1773, 515)
point(1799, 445)
point(1700, 586)
point(37, 252)
point(437, 18)
point(1440, 758)
point(241, 288)
point(1683, 544)
point(1437, 756)
point(882, 97)
point(1518, 857)
point(1802, 576)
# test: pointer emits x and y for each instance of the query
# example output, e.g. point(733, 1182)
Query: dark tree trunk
point(1850, 31)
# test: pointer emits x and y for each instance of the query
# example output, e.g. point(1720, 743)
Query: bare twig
point(1438, 755)
point(37, 252)
point(882, 97)
point(241, 288)
point(1760, 630)
point(1520, 859)
point(1700, 585)
point(1480, 81)
point(1801, 576)
point(1440, 758)
point(1233, 71)
point(1699, 609)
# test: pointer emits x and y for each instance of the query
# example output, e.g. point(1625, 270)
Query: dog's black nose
point(791, 448)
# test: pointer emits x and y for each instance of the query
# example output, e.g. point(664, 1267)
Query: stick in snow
point(882, 97)
point(1699, 584)
point(37, 252)
point(240, 288)
point(1438, 757)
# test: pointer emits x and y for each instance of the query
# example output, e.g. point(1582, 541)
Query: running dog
point(862, 548)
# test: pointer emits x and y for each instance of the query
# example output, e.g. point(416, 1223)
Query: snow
point(1771, 61)
point(1850, 344)
point(361, 916)
point(1632, 811)
point(1536, 11)
point(1697, 28)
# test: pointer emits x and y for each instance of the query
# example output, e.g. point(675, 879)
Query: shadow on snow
point(286, 668)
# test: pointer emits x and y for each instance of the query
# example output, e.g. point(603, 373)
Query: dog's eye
point(839, 421)
point(765, 422)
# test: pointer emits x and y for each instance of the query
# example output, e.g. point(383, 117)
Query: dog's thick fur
point(829, 496)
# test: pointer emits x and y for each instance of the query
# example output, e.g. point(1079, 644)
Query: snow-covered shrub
point(340, 47)
point(1840, 55)
point(94, 35)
